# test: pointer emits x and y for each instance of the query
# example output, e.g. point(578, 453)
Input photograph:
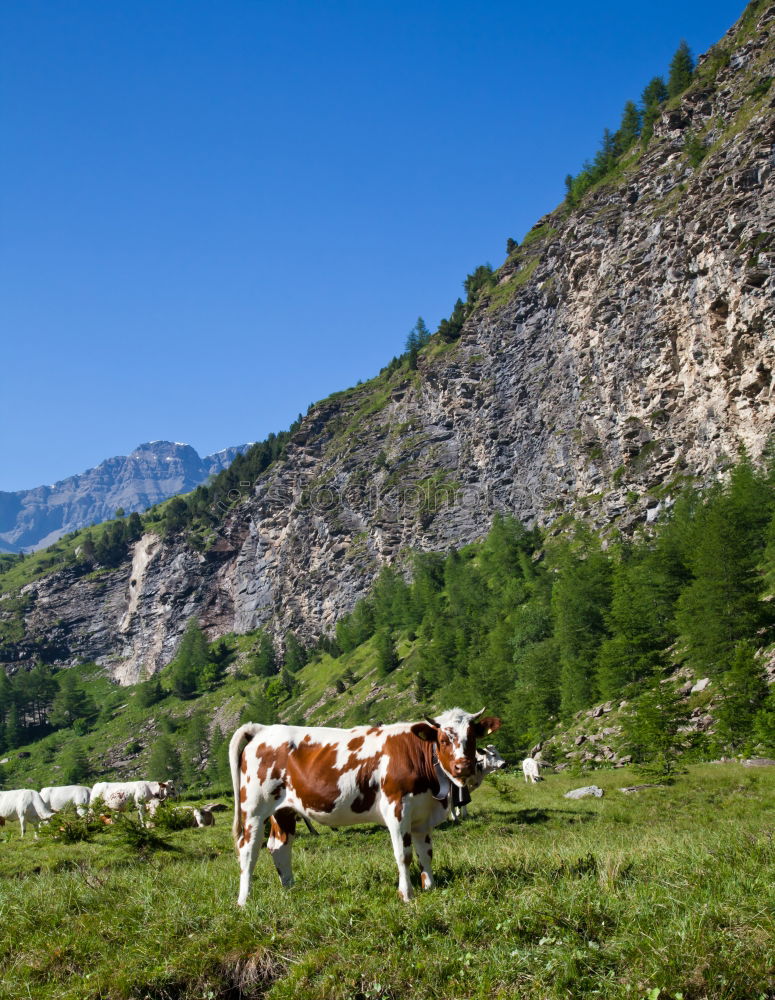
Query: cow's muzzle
point(463, 768)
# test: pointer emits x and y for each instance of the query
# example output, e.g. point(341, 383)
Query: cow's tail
point(236, 744)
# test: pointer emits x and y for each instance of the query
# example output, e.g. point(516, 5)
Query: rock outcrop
point(627, 345)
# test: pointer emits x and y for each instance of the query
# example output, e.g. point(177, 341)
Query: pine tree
point(640, 620)
point(134, 527)
point(764, 721)
point(653, 730)
point(605, 159)
point(450, 329)
point(219, 657)
point(418, 336)
point(88, 553)
point(681, 70)
point(481, 278)
point(190, 661)
point(580, 600)
point(41, 688)
point(535, 698)
point(195, 749)
point(111, 548)
point(390, 601)
point(654, 96)
point(387, 657)
point(427, 583)
point(14, 731)
point(164, 762)
point(295, 654)
point(722, 605)
point(629, 129)
point(218, 771)
point(71, 703)
point(655, 92)
point(744, 687)
point(175, 516)
point(263, 661)
point(259, 709)
point(149, 692)
point(74, 764)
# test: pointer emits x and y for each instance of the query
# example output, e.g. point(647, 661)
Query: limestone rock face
point(32, 519)
point(627, 345)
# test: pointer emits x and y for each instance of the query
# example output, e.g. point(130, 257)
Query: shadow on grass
point(526, 817)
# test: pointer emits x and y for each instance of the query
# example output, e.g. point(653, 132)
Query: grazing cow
point(398, 775)
point(58, 796)
point(487, 760)
point(24, 804)
point(118, 794)
point(194, 817)
point(531, 769)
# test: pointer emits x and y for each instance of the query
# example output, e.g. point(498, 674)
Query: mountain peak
point(151, 473)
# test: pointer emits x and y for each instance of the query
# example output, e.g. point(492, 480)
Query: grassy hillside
point(662, 893)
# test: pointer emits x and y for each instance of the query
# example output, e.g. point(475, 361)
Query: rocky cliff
point(32, 519)
point(627, 345)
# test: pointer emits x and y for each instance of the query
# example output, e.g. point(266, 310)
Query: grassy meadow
point(665, 893)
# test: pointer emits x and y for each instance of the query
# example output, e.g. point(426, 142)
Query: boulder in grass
point(758, 762)
point(586, 792)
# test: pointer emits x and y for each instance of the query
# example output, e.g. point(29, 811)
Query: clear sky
point(214, 213)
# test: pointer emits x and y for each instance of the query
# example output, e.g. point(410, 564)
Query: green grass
point(538, 897)
point(543, 232)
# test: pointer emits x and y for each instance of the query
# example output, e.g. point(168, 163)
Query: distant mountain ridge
point(154, 471)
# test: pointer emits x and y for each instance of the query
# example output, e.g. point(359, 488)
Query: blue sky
point(213, 214)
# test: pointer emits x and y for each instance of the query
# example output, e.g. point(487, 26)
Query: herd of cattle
point(408, 777)
point(30, 806)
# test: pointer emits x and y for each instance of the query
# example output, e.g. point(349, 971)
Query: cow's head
point(164, 790)
point(455, 734)
point(490, 759)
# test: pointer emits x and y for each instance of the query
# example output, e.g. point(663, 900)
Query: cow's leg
point(140, 811)
point(464, 812)
point(282, 829)
point(21, 823)
point(248, 847)
point(402, 849)
point(423, 848)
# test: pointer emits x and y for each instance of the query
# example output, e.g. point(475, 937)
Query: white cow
point(487, 760)
point(24, 804)
point(531, 769)
point(118, 795)
point(58, 796)
point(194, 817)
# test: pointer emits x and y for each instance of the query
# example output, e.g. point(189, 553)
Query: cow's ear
point(426, 732)
point(483, 727)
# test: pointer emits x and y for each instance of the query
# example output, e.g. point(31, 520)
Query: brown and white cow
point(399, 776)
